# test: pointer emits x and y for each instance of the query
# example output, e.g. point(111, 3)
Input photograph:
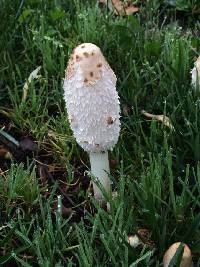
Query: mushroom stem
point(100, 169)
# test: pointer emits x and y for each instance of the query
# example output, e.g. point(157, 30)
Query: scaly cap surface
point(91, 99)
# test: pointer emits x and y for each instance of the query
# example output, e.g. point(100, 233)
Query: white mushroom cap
point(134, 241)
point(91, 99)
point(186, 258)
point(196, 73)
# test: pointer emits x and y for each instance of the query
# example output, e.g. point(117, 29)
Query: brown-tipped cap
point(90, 60)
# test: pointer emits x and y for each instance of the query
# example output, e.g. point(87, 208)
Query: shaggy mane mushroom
point(93, 108)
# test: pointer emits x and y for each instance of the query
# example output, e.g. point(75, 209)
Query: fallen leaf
point(119, 8)
point(32, 76)
point(5, 153)
point(129, 10)
point(164, 119)
point(145, 235)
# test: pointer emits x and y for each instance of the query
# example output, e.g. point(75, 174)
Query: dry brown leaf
point(33, 75)
point(186, 260)
point(5, 153)
point(164, 119)
point(146, 236)
point(131, 10)
point(119, 8)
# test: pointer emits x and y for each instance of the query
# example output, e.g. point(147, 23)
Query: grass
point(47, 214)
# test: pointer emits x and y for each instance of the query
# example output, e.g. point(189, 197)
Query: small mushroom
point(93, 103)
point(186, 258)
point(196, 73)
point(134, 241)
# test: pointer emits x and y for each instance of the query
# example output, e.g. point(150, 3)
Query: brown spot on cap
point(86, 54)
point(85, 80)
point(110, 120)
point(82, 46)
point(78, 58)
point(92, 53)
point(99, 65)
point(91, 74)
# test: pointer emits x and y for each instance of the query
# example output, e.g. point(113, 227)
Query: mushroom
point(196, 73)
point(186, 258)
point(134, 241)
point(93, 108)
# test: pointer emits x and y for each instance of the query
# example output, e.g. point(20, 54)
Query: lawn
point(48, 216)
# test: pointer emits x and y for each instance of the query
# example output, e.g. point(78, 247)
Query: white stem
point(100, 169)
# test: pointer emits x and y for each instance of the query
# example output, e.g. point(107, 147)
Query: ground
point(48, 216)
